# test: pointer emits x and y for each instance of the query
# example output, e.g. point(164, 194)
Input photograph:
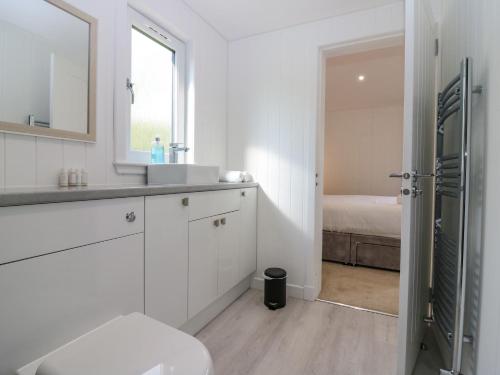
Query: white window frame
point(124, 155)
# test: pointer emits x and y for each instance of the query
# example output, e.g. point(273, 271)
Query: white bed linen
point(362, 214)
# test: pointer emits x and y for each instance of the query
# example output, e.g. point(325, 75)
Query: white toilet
point(128, 345)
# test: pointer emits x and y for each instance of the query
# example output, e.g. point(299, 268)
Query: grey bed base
point(359, 249)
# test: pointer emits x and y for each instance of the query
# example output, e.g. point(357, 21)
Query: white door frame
point(375, 42)
point(325, 53)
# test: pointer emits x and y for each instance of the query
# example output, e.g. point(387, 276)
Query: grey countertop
point(26, 196)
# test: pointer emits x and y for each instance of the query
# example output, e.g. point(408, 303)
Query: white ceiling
point(383, 85)
point(236, 19)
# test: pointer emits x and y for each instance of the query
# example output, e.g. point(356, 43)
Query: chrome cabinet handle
point(185, 202)
point(130, 217)
point(243, 193)
point(223, 221)
point(216, 222)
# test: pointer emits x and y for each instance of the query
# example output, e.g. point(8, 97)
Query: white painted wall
point(69, 94)
point(471, 28)
point(272, 117)
point(27, 91)
point(362, 147)
point(28, 161)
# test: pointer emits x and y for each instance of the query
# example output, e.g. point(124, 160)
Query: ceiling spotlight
point(361, 78)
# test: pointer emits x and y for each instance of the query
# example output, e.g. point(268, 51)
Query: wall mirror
point(47, 70)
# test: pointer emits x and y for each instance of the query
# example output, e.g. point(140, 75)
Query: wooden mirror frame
point(90, 136)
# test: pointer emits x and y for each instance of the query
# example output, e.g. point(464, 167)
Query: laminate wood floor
point(304, 338)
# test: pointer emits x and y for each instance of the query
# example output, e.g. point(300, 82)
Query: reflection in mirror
point(44, 68)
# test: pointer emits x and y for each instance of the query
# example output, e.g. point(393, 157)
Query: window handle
point(130, 87)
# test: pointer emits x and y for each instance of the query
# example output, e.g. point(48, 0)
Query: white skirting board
point(292, 290)
point(310, 293)
point(194, 325)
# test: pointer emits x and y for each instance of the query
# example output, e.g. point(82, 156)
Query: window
point(151, 90)
point(152, 109)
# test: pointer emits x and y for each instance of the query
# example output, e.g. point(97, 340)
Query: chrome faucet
point(173, 151)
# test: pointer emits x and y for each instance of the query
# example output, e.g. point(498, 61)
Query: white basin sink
point(185, 174)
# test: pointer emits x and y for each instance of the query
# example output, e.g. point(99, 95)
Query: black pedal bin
point(275, 288)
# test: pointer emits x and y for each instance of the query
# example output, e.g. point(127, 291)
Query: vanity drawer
point(28, 231)
point(213, 203)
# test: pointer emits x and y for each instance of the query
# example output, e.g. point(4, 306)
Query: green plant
point(143, 133)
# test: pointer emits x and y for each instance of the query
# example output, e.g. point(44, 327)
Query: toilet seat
point(129, 345)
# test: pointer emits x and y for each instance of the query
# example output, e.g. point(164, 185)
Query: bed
point(362, 230)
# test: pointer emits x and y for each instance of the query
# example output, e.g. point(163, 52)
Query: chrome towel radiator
point(451, 216)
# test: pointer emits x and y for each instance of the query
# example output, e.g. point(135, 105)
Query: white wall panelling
point(21, 169)
point(272, 117)
point(472, 29)
point(19, 159)
point(2, 158)
point(74, 154)
point(362, 147)
point(50, 159)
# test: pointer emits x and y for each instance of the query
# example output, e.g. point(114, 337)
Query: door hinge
point(429, 319)
point(436, 47)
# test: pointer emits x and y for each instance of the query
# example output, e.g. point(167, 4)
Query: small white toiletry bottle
point(84, 177)
point(63, 178)
point(72, 177)
point(78, 177)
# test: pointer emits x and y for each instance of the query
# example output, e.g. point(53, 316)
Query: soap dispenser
point(157, 151)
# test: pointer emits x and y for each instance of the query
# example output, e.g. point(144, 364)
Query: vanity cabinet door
point(248, 232)
point(166, 258)
point(50, 300)
point(203, 263)
point(229, 244)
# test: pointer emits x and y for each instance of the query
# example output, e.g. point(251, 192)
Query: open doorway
point(363, 145)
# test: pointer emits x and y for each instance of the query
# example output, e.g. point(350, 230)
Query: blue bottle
point(157, 152)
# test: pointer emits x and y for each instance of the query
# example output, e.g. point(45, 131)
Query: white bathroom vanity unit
point(71, 260)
